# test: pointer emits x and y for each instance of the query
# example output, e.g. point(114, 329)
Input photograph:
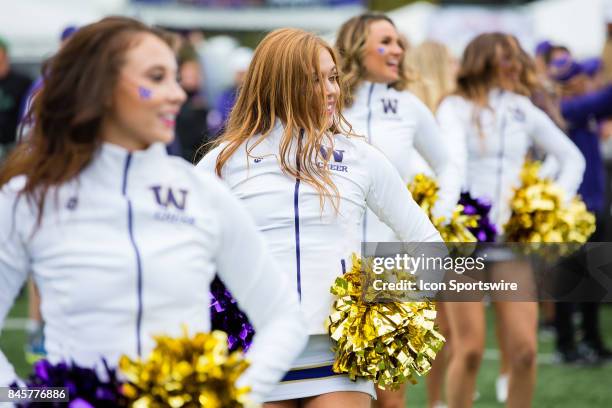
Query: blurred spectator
point(191, 130)
point(239, 63)
point(583, 110)
point(37, 85)
point(592, 68)
point(542, 50)
point(13, 89)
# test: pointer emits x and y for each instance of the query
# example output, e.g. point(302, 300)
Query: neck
point(110, 132)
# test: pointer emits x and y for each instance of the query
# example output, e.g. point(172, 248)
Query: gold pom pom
point(387, 343)
point(186, 372)
point(540, 214)
point(424, 191)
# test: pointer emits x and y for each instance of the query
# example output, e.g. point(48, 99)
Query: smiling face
point(382, 52)
point(147, 96)
point(508, 65)
point(331, 88)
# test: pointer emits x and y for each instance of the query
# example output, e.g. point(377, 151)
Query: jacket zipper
point(500, 161)
point(369, 127)
point(296, 212)
point(130, 219)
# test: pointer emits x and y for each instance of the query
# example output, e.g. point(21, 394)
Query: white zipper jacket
point(398, 123)
point(128, 249)
point(492, 158)
point(314, 247)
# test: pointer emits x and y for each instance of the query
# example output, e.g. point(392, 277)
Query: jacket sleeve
point(596, 104)
point(14, 268)
point(554, 142)
point(391, 201)
point(245, 265)
point(434, 147)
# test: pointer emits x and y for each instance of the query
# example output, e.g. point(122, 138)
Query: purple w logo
point(170, 199)
point(338, 154)
point(389, 105)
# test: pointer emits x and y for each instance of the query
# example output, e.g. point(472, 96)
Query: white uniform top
point(493, 158)
point(314, 247)
point(398, 123)
point(128, 249)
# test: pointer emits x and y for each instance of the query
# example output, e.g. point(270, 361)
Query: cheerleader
point(394, 120)
point(379, 106)
point(287, 155)
point(123, 240)
point(498, 126)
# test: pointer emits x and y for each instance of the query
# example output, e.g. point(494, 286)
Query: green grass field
point(557, 387)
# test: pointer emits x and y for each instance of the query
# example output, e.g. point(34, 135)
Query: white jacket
point(314, 247)
point(128, 249)
point(398, 123)
point(491, 159)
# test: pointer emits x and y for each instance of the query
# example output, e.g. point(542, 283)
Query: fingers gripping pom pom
point(465, 222)
point(388, 343)
point(186, 372)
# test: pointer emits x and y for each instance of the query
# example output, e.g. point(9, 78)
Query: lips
point(168, 119)
point(330, 107)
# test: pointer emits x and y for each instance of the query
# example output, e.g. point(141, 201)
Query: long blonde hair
point(431, 61)
point(350, 45)
point(284, 82)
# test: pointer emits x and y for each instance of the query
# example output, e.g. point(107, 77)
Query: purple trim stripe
point(296, 210)
point(138, 261)
point(369, 123)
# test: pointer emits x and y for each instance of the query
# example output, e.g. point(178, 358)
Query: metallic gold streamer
point(388, 343)
point(540, 214)
point(186, 372)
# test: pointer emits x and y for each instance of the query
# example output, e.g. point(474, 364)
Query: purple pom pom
point(227, 316)
point(85, 389)
point(486, 230)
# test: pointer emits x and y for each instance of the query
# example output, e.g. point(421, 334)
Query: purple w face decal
point(166, 197)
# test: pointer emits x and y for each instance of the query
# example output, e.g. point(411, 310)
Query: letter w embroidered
point(338, 154)
point(389, 105)
point(170, 199)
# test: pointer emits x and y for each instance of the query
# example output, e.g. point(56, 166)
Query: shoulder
point(454, 101)
point(14, 185)
point(358, 147)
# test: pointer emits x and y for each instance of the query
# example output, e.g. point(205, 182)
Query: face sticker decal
point(145, 93)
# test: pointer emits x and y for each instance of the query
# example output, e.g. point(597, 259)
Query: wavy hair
point(67, 113)
point(431, 62)
point(478, 72)
point(284, 83)
point(350, 45)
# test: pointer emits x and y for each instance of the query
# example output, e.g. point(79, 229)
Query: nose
point(331, 89)
point(396, 50)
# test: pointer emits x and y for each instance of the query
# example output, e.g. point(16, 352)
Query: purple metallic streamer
point(227, 316)
point(486, 231)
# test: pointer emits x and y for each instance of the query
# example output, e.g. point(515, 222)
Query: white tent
point(579, 24)
point(33, 27)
